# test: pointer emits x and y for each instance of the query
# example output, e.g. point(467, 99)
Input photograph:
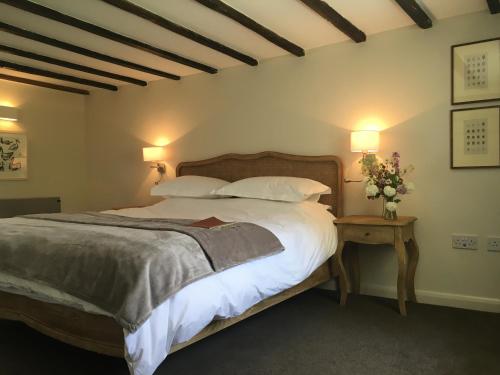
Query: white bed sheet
point(305, 229)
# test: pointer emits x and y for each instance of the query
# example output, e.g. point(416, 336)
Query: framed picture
point(13, 156)
point(475, 137)
point(475, 70)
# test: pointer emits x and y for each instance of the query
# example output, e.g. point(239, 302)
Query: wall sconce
point(365, 141)
point(157, 155)
point(9, 113)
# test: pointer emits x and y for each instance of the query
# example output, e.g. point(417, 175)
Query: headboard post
point(326, 169)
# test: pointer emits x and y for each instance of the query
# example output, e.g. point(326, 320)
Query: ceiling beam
point(47, 73)
point(69, 65)
point(494, 6)
point(52, 14)
point(53, 86)
point(158, 20)
point(335, 18)
point(249, 23)
point(83, 51)
point(416, 13)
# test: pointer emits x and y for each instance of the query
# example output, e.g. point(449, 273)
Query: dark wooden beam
point(249, 23)
point(83, 51)
point(416, 13)
point(53, 86)
point(336, 19)
point(158, 20)
point(494, 6)
point(47, 73)
point(69, 65)
point(52, 14)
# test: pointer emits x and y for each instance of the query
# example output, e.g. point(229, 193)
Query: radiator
point(24, 206)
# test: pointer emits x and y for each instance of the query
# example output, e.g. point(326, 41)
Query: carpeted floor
point(310, 334)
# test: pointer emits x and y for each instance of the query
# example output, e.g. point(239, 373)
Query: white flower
point(388, 181)
point(391, 206)
point(392, 170)
point(371, 190)
point(410, 186)
point(389, 191)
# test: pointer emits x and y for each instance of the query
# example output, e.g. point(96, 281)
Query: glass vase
point(386, 214)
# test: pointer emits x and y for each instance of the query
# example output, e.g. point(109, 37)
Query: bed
point(93, 330)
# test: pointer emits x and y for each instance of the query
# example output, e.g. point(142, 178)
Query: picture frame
point(13, 156)
point(475, 137)
point(475, 71)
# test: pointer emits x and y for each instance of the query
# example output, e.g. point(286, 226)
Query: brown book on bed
point(211, 222)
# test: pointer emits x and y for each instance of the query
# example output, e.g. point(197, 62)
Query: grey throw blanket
point(126, 266)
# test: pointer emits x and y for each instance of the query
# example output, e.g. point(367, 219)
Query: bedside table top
point(375, 220)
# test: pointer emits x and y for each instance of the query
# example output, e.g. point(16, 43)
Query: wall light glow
point(6, 103)
point(10, 126)
point(161, 141)
point(371, 123)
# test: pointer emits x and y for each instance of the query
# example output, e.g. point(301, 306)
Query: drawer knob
point(367, 233)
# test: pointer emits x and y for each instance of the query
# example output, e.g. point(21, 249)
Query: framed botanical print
point(13, 156)
point(475, 69)
point(475, 137)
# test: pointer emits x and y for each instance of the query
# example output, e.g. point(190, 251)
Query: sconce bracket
point(161, 168)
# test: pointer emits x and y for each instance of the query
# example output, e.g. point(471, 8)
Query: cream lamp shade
point(8, 113)
point(153, 153)
point(364, 141)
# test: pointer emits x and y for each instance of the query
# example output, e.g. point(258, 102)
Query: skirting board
point(430, 297)
point(438, 298)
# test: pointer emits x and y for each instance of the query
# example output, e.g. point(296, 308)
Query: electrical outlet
point(464, 241)
point(493, 243)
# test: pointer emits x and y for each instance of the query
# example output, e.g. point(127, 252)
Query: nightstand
point(374, 230)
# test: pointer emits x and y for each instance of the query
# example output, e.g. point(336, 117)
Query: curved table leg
point(413, 254)
point(353, 265)
point(342, 274)
point(399, 246)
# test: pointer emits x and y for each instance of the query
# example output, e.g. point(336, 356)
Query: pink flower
point(401, 189)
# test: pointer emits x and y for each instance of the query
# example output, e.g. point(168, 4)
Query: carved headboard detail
point(326, 169)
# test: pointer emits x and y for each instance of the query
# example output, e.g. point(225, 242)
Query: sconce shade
point(8, 113)
point(153, 153)
point(364, 141)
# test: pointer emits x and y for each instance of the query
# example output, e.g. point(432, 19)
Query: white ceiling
point(288, 18)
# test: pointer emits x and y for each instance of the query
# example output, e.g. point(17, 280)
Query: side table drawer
point(369, 234)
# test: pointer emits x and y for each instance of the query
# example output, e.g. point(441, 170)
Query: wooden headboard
point(326, 169)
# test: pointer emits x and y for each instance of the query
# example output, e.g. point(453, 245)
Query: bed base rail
point(101, 334)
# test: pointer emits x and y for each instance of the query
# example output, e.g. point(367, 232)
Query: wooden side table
point(374, 230)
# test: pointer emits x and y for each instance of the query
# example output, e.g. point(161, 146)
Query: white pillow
point(189, 186)
point(288, 189)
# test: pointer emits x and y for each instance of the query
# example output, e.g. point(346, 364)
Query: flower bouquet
point(385, 179)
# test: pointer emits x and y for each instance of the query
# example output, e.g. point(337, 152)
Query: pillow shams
point(189, 186)
point(278, 188)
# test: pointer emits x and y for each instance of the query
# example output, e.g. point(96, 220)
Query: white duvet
point(305, 229)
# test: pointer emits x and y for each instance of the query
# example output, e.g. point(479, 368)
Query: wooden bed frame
point(101, 334)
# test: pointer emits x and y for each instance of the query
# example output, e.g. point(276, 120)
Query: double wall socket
point(493, 243)
point(464, 241)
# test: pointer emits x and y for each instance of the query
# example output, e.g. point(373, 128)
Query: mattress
point(305, 229)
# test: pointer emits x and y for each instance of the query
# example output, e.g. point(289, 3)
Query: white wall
point(54, 123)
point(308, 106)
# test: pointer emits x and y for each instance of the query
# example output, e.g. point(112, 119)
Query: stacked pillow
point(189, 187)
point(276, 188)
point(287, 189)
